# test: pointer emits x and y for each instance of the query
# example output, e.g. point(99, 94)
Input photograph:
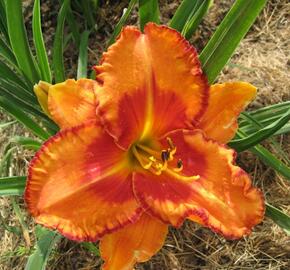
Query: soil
point(261, 59)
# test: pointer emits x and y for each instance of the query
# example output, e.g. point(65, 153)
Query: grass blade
point(26, 142)
point(39, 43)
point(57, 58)
point(278, 217)
point(195, 18)
point(23, 118)
point(83, 56)
point(148, 12)
point(6, 160)
point(45, 243)
point(20, 217)
point(262, 134)
point(122, 21)
point(4, 125)
point(228, 36)
point(12, 185)
point(19, 41)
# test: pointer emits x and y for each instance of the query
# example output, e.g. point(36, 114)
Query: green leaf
point(30, 109)
point(228, 36)
point(17, 113)
point(263, 117)
point(3, 17)
point(278, 217)
point(122, 21)
point(262, 134)
point(74, 26)
point(148, 12)
point(3, 21)
point(39, 43)
point(183, 13)
point(9, 74)
point(267, 111)
point(6, 52)
point(83, 56)
point(45, 243)
point(268, 158)
point(91, 247)
point(19, 41)
point(13, 185)
point(88, 12)
point(255, 124)
point(57, 58)
point(17, 91)
point(195, 18)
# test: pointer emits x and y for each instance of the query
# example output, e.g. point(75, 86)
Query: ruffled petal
point(147, 78)
point(222, 198)
point(72, 103)
point(136, 242)
point(226, 102)
point(80, 184)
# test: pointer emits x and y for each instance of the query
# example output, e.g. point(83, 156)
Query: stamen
point(148, 150)
point(170, 143)
point(157, 162)
point(179, 166)
point(182, 177)
point(153, 159)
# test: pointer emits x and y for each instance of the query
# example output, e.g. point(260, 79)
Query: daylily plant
point(142, 147)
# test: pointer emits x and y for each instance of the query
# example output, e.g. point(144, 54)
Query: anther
point(179, 164)
point(165, 155)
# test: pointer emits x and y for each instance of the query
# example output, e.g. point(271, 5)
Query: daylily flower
point(141, 148)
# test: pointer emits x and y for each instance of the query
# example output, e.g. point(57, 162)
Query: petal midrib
point(114, 170)
point(149, 85)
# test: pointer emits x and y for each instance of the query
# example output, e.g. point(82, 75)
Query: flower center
point(158, 162)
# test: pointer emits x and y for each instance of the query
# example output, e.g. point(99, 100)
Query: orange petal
point(135, 243)
point(79, 183)
point(41, 92)
point(71, 103)
point(147, 78)
point(222, 199)
point(226, 102)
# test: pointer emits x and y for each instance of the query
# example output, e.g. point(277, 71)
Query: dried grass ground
point(262, 59)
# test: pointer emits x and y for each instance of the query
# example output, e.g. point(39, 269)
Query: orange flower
point(142, 148)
